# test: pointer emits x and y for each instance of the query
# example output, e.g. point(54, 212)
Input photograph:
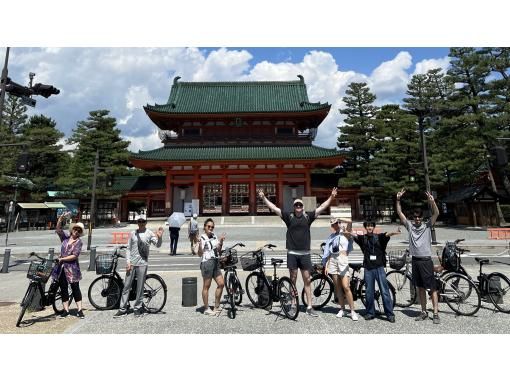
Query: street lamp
point(421, 125)
point(3, 84)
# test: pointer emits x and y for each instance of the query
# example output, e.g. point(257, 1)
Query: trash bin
point(189, 291)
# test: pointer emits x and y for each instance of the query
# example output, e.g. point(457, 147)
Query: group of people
point(298, 241)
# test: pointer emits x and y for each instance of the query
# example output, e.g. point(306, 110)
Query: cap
point(297, 201)
point(333, 220)
point(141, 217)
point(195, 215)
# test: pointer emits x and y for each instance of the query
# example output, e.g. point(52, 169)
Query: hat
point(141, 218)
point(195, 216)
point(78, 225)
point(333, 220)
point(298, 201)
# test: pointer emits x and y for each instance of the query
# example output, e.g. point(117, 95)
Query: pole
point(4, 83)
point(8, 223)
point(494, 188)
point(426, 169)
point(93, 201)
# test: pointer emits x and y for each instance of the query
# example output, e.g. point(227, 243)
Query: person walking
point(68, 269)
point(298, 240)
point(336, 263)
point(209, 248)
point(373, 247)
point(137, 258)
point(174, 237)
point(193, 234)
point(421, 251)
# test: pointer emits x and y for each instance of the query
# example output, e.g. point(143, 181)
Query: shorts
point(303, 262)
point(210, 268)
point(423, 273)
point(339, 265)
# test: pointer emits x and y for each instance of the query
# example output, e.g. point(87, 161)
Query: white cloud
point(123, 80)
point(428, 64)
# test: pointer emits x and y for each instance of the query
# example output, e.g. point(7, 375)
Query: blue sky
point(123, 80)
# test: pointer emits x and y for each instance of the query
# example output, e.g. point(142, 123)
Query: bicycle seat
point(482, 261)
point(356, 267)
point(276, 261)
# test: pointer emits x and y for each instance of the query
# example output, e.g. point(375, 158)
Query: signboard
point(188, 209)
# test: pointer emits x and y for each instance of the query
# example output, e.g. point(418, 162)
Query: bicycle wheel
point(258, 290)
point(378, 300)
point(231, 296)
point(460, 294)
point(322, 291)
point(405, 291)
point(499, 291)
point(26, 301)
point(288, 298)
point(105, 292)
point(56, 302)
point(154, 293)
point(238, 291)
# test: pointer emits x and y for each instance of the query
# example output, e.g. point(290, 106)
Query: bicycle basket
point(316, 263)
point(40, 270)
point(228, 258)
point(250, 262)
point(397, 259)
point(450, 259)
point(104, 264)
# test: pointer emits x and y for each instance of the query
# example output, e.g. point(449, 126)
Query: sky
point(123, 80)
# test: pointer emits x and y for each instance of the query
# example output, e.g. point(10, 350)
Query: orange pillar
point(224, 193)
point(168, 193)
point(308, 187)
point(280, 188)
point(252, 193)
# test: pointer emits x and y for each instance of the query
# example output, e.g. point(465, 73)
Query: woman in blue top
point(336, 263)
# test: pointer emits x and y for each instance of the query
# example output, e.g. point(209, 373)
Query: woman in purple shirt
point(68, 269)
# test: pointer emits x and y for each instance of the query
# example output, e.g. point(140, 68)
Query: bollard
point(189, 291)
point(7, 257)
point(92, 259)
point(51, 253)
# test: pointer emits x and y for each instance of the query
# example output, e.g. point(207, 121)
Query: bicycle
point(359, 289)
point(234, 296)
point(401, 279)
point(492, 287)
point(262, 293)
point(322, 285)
point(36, 297)
point(105, 291)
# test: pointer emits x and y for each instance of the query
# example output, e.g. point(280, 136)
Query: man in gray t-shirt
point(421, 252)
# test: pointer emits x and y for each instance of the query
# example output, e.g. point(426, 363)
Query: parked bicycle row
point(326, 277)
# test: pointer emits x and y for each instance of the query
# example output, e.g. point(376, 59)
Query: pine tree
point(14, 114)
point(46, 156)
point(98, 132)
point(356, 139)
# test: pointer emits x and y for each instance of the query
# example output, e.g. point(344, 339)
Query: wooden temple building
point(225, 140)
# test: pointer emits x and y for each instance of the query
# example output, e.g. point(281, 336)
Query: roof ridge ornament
point(176, 79)
point(301, 78)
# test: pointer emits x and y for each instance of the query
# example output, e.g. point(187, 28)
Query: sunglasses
point(334, 224)
point(78, 230)
point(209, 226)
point(298, 205)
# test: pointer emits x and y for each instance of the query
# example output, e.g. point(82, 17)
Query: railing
point(499, 233)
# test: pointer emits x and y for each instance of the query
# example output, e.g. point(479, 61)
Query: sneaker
point(138, 313)
point(217, 311)
point(340, 314)
point(354, 315)
point(80, 314)
point(423, 316)
point(391, 319)
point(64, 314)
point(311, 312)
point(209, 312)
point(436, 319)
point(120, 313)
point(368, 317)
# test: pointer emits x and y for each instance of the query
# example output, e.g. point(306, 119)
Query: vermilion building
point(224, 140)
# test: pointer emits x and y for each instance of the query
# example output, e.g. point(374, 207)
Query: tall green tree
point(46, 155)
point(357, 141)
point(14, 114)
point(97, 133)
point(399, 152)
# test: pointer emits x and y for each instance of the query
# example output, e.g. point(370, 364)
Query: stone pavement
point(176, 319)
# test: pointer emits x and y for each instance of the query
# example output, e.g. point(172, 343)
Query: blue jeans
point(371, 275)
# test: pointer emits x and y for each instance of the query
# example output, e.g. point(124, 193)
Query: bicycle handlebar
point(31, 254)
point(458, 241)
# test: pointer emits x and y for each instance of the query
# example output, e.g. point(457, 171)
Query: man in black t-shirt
point(373, 247)
point(298, 240)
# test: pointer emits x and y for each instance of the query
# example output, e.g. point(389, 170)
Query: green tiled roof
point(236, 153)
point(237, 97)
